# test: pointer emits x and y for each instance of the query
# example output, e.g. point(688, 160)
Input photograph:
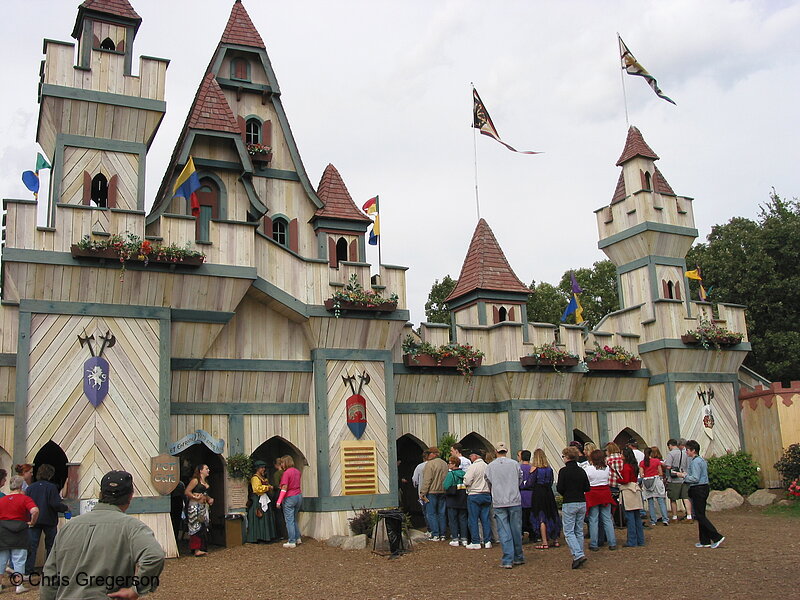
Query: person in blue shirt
point(697, 478)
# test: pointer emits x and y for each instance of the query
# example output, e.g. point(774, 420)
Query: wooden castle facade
point(240, 354)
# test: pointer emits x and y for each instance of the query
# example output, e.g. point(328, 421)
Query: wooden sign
point(164, 473)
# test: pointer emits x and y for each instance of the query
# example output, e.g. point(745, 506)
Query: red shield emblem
point(357, 414)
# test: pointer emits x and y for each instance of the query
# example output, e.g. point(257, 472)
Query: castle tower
point(646, 230)
point(96, 119)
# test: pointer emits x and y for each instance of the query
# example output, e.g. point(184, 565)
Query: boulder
point(785, 502)
point(724, 500)
point(336, 541)
point(356, 542)
point(415, 535)
point(761, 498)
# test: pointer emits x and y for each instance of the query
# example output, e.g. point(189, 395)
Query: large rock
point(785, 502)
point(357, 542)
point(336, 541)
point(724, 500)
point(415, 535)
point(761, 498)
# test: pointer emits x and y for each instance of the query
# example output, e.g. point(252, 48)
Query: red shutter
point(664, 289)
point(644, 180)
point(121, 46)
point(496, 314)
point(677, 290)
point(332, 253)
point(511, 314)
point(354, 251)
point(95, 41)
point(293, 241)
point(266, 133)
point(87, 189)
point(240, 68)
point(112, 192)
point(268, 226)
point(242, 128)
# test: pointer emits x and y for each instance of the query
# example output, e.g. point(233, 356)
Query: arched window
point(99, 191)
point(208, 197)
point(647, 182)
point(108, 44)
point(502, 314)
point(280, 231)
point(341, 250)
point(240, 69)
point(670, 290)
point(252, 132)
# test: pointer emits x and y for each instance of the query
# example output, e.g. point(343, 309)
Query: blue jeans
point(662, 506)
point(291, 506)
point(572, 515)
point(478, 508)
point(457, 518)
point(35, 533)
point(436, 511)
point(509, 529)
point(603, 514)
point(18, 558)
point(635, 528)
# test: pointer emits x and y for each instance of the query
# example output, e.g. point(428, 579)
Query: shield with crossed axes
point(706, 396)
point(96, 370)
point(356, 405)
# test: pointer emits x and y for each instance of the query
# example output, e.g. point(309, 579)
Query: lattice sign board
point(359, 468)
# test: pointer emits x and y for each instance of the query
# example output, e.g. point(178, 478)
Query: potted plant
point(710, 334)
point(354, 297)
point(240, 469)
point(549, 355)
point(459, 356)
point(611, 358)
point(260, 152)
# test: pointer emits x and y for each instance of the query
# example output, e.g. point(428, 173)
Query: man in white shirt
point(457, 451)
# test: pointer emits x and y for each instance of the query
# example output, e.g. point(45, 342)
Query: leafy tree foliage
point(757, 264)
point(546, 303)
point(435, 308)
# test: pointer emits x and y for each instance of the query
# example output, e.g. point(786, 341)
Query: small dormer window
point(280, 231)
point(99, 191)
point(240, 69)
point(108, 44)
point(252, 133)
point(341, 250)
point(502, 314)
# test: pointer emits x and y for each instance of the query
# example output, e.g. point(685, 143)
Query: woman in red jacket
point(631, 495)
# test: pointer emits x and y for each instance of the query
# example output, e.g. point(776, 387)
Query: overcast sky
point(382, 91)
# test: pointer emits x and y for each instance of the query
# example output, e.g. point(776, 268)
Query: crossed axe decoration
point(705, 395)
point(108, 342)
point(351, 381)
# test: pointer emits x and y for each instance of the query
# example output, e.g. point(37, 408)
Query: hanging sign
point(164, 473)
point(356, 405)
point(198, 437)
point(96, 370)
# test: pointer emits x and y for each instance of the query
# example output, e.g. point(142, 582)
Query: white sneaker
point(290, 545)
point(21, 589)
point(487, 545)
point(674, 517)
point(689, 517)
point(463, 542)
point(455, 543)
point(299, 541)
point(718, 542)
point(473, 546)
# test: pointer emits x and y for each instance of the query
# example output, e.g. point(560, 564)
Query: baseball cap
point(501, 447)
point(116, 484)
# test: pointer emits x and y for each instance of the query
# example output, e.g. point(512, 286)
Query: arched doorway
point(200, 454)
point(475, 441)
point(409, 455)
point(275, 447)
point(52, 454)
point(628, 434)
point(581, 437)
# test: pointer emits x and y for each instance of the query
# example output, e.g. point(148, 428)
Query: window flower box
point(609, 358)
point(463, 357)
point(114, 255)
point(355, 297)
point(613, 365)
point(536, 361)
point(710, 335)
point(386, 306)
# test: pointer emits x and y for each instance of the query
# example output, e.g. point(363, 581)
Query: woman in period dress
point(260, 518)
point(197, 512)
point(544, 510)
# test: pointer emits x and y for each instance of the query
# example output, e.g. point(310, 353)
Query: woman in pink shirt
point(291, 498)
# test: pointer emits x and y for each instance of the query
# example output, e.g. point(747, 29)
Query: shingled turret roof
point(486, 267)
point(337, 200)
point(210, 110)
point(118, 8)
point(635, 146)
point(240, 29)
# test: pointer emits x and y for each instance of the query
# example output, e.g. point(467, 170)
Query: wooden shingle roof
point(240, 29)
point(119, 8)
point(337, 200)
point(210, 110)
point(485, 267)
point(635, 146)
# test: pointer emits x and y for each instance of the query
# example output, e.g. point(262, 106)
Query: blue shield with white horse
point(95, 379)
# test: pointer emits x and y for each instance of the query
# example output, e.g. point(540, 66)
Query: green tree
point(546, 303)
point(757, 264)
point(435, 308)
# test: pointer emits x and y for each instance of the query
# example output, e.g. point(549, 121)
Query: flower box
point(261, 159)
point(613, 365)
point(535, 361)
point(111, 254)
point(693, 341)
point(330, 304)
point(426, 360)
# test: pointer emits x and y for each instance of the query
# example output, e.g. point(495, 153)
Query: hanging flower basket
point(710, 335)
point(608, 358)
point(535, 361)
point(355, 297)
point(331, 304)
point(112, 254)
point(613, 365)
point(463, 357)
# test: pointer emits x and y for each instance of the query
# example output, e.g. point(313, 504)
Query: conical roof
point(338, 204)
point(240, 29)
point(486, 267)
point(210, 110)
point(660, 184)
point(635, 146)
point(117, 8)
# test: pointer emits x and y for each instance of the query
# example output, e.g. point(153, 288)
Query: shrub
point(364, 521)
point(240, 466)
point(733, 470)
point(789, 464)
point(447, 441)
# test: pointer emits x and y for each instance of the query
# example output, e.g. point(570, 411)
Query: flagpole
point(475, 160)
point(380, 235)
point(622, 79)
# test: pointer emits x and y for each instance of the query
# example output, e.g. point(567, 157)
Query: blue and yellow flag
point(187, 185)
point(574, 305)
point(371, 208)
point(31, 178)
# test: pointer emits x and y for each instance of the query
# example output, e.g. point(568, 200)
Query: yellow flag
point(694, 274)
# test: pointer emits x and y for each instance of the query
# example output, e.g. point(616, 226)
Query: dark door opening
point(200, 454)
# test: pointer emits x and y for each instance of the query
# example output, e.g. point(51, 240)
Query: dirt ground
point(757, 560)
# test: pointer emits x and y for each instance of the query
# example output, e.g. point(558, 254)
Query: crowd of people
point(484, 497)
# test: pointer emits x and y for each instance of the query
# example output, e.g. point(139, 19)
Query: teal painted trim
point(93, 143)
point(349, 503)
point(602, 428)
point(259, 209)
point(653, 277)
point(156, 58)
point(239, 408)
point(86, 47)
point(523, 404)
point(235, 434)
point(7, 201)
point(668, 261)
point(281, 174)
point(244, 157)
point(515, 429)
point(237, 364)
point(474, 295)
point(93, 309)
point(247, 86)
point(490, 327)
point(164, 384)
point(293, 152)
point(738, 410)
point(516, 404)
point(569, 425)
point(131, 35)
point(647, 226)
point(71, 93)
point(183, 315)
point(321, 423)
point(362, 249)
point(397, 267)
point(225, 165)
point(284, 298)
point(341, 225)
point(481, 313)
point(149, 505)
point(693, 378)
point(8, 360)
point(64, 259)
point(441, 425)
point(55, 182)
point(353, 354)
point(760, 378)
point(525, 329)
point(21, 383)
point(223, 192)
point(292, 252)
point(598, 331)
point(673, 421)
point(436, 325)
point(391, 423)
point(7, 408)
point(641, 373)
point(313, 310)
point(608, 406)
point(672, 344)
